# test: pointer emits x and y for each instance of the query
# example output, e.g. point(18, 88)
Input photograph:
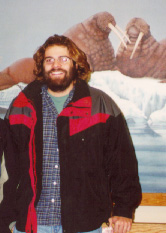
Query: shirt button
point(54, 182)
point(57, 150)
point(52, 200)
point(56, 166)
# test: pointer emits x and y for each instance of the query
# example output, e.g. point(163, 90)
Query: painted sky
point(25, 25)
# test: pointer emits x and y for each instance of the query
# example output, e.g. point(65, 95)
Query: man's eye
point(49, 60)
point(64, 59)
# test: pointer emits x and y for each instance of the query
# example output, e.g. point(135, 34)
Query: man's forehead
point(56, 47)
point(56, 50)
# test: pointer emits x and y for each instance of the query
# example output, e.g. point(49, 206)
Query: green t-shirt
point(59, 102)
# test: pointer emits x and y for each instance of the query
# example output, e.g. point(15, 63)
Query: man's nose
point(56, 63)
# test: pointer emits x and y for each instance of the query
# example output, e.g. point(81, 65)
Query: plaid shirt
point(49, 206)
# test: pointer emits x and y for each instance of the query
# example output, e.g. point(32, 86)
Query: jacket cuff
point(123, 212)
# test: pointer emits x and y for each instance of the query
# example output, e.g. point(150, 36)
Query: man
point(5, 144)
point(75, 165)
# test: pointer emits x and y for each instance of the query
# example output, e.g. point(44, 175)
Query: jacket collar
point(81, 90)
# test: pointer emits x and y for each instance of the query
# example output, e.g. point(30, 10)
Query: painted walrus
point(19, 71)
point(144, 56)
point(91, 36)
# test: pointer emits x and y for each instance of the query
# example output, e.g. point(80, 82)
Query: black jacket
point(6, 148)
point(3, 137)
point(98, 166)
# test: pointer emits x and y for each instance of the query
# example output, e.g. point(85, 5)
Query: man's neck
point(61, 93)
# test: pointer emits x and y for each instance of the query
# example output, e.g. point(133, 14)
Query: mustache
point(53, 69)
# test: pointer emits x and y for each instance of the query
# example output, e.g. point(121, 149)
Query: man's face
point(59, 70)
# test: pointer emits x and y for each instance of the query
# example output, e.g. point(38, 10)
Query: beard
point(60, 84)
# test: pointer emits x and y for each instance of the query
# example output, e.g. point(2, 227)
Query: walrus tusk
point(123, 33)
point(117, 33)
point(136, 44)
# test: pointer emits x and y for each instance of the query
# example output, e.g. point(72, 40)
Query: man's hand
point(121, 224)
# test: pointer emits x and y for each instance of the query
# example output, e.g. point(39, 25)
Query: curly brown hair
point(77, 55)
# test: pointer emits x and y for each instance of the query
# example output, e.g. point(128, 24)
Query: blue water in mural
point(150, 150)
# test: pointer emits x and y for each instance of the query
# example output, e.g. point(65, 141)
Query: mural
point(144, 56)
point(134, 76)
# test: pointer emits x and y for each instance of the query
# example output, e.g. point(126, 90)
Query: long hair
point(77, 55)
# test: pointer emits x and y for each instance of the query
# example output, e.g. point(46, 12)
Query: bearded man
point(74, 161)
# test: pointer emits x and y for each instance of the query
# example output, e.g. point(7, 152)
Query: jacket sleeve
point(7, 206)
point(122, 168)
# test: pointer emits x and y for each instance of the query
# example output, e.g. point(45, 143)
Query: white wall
point(150, 214)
